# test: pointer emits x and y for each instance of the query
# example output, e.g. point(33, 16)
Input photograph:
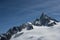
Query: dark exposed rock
point(44, 20)
point(23, 25)
point(37, 22)
point(8, 35)
point(13, 30)
point(3, 37)
point(0, 37)
point(29, 26)
point(10, 32)
point(19, 28)
point(52, 24)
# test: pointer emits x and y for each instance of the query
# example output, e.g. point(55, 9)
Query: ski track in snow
point(39, 33)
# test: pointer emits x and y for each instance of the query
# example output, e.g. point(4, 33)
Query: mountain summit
point(45, 21)
point(35, 30)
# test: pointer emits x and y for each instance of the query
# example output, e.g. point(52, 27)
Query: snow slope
point(39, 33)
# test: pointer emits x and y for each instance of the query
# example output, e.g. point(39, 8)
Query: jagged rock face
point(29, 26)
point(45, 20)
point(14, 30)
point(5, 37)
point(0, 37)
point(37, 22)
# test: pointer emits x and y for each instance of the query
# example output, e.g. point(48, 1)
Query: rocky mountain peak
point(45, 20)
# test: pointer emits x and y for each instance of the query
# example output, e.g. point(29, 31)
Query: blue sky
point(16, 12)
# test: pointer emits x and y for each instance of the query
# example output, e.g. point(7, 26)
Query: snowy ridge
point(43, 28)
point(39, 33)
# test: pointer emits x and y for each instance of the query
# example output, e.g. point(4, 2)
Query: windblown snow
point(39, 33)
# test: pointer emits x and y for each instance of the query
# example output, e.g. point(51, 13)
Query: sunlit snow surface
point(39, 33)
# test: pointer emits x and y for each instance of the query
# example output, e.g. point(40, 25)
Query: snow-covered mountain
point(39, 33)
point(43, 28)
